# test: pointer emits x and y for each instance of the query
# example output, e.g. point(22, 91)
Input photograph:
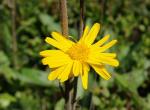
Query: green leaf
point(8, 73)
point(4, 59)
point(132, 80)
point(6, 99)
point(34, 76)
point(48, 21)
point(60, 104)
point(96, 100)
point(80, 90)
point(28, 101)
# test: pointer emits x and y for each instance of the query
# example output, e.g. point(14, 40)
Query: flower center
point(79, 52)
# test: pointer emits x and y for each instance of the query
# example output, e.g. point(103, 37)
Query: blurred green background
point(27, 87)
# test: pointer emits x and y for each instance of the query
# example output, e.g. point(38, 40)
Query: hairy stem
point(14, 38)
point(70, 85)
point(81, 17)
point(80, 34)
point(64, 27)
point(68, 95)
point(74, 100)
point(64, 17)
point(102, 8)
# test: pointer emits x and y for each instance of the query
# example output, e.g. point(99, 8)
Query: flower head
point(75, 58)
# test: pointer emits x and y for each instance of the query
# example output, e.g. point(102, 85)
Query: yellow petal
point(107, 55)
point(110, 55)
point(62, 39)
point(96, 52)
point(77, 68)
point(54, 74)
point(56, 44)
point(103, 60)
point(102, 41)
point(56, 60)
point(89, 39)
point(84, 76)
point(86, 30)
point(107, 46)
point(92, 60)
point(101, 71)
point(47, 53)
point(109, 61)
point(65, 73)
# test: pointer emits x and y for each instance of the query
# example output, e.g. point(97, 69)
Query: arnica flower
point(72, 59)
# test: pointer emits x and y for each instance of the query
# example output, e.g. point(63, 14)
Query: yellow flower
point(72, 59)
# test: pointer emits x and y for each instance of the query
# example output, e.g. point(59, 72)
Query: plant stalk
point(81, 17)
point(14, 36)
point(64, 17)
point(70, 85)
point(64, 26)
point(80, 35)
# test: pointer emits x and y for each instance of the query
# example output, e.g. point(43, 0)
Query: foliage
point(28, 88)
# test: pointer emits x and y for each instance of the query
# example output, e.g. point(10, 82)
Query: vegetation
point(23, 79)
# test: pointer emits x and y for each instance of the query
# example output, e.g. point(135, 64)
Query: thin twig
point(14, 38)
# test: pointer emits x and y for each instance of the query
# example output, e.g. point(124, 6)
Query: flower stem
point(80, 34)
point(81, 17)
point(71, 84)
point(64, 17)
point(14, 38)
point(64, 25)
